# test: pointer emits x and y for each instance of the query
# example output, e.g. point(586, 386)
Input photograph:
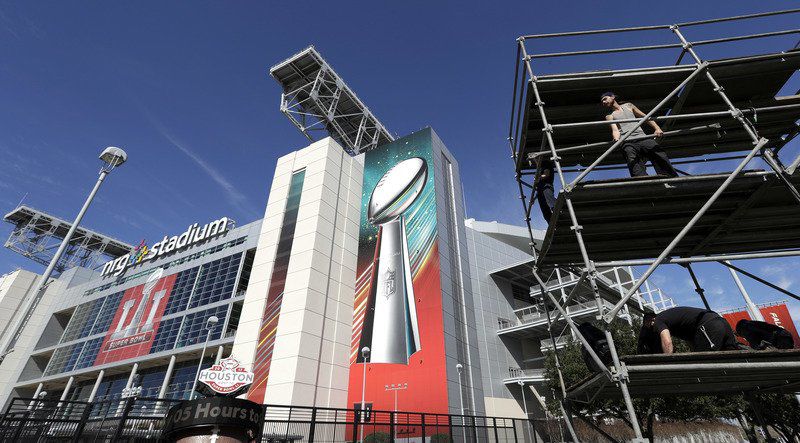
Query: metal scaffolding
point(316, 100)
point(711, 110)
point(37, 235)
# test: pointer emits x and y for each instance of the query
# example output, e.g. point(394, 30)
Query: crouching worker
point(704, 330)
point(762, 335)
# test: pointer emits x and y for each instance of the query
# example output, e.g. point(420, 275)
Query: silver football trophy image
point(394, 331)
point(133, 327)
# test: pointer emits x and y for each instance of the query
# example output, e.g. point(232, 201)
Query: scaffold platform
point(573, 103)
point(636, 218)
point(697, 373)
point(710, 110)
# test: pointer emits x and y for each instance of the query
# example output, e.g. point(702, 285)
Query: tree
point(683, 409)
point(780, 411)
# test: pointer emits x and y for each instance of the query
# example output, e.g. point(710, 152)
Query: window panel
point(194, 326)
point(167, 333)
point(89, 353)
point(106, 314)
point(181, 291)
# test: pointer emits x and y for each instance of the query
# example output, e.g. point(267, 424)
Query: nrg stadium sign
point(193, 235)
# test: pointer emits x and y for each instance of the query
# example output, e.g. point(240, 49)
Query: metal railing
point(142, 419)
point(514, 372)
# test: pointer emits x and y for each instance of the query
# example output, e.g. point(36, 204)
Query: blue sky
point(183, 87)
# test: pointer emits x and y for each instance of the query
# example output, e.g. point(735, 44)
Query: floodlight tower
point(111, 157)
point(316, 99)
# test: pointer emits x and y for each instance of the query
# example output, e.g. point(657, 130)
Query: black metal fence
point(141, 419)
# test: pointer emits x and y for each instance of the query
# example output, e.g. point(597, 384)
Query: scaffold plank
point(698, 373)
point(636, 218)
point(751, 83)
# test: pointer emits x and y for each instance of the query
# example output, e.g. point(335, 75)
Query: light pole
point(365, 355)
point(111, 157)
point(460, 368)
point(210, 323)
point(395, 388)
point(525, 404)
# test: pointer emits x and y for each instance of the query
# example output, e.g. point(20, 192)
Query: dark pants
point(638, 152)
point(547, 199)
point(714, 334)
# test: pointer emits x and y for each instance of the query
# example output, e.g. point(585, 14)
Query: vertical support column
point(697, 288)
point(220, 349)
point(768, 156)
point(132, 376)
point(96, 386)
point(36, 395)
point(167, 376)
point(66, 389)
point(576, 227)
point(622, 375)
point(755, 313)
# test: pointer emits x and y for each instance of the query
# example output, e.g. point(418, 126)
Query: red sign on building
point(136, 321)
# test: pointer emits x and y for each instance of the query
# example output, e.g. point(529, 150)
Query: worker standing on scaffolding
point(704, 330)
point(637, 152)
point(543, 183)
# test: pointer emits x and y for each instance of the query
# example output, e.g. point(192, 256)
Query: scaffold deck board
point(636, 218)
point(750, 82)
point(698, 373)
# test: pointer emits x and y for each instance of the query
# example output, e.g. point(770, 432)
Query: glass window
point(216, 281)
point(77, 324)
point(150, 380)
point(106, 313)
point(64, 359)
point(180, 386)
point(181, 291)
point(89, 353)
point(167, 333)
point(196, 255)
point(194, 326)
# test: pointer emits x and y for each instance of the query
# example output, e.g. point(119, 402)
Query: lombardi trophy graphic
point(133, 327)
point(391, 330)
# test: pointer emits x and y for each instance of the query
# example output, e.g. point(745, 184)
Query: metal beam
point(700, 69)
point(609, 317)
point(760, 280)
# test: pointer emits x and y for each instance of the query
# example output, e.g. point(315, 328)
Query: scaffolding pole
point(591, 272)
point(618, 371)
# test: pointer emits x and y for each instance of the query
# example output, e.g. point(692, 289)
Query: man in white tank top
point(637, 152)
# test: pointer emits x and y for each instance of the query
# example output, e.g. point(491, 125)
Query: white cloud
point(235, 197)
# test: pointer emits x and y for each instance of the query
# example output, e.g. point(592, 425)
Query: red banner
point(777, 315)
point(136, 321)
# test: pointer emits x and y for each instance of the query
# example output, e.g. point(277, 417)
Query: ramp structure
point(315, 99)
point(710, 111)
point(37, 235)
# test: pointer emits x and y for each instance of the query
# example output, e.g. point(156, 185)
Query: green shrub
point(377, 437)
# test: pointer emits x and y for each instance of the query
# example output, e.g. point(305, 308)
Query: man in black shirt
point(544, 186)
point(704, 330)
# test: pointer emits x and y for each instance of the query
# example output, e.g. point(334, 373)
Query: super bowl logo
point(136, 329)
point(228, 377)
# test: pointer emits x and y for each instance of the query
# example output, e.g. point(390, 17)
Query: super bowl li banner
point(137, 318)
point(398, 301)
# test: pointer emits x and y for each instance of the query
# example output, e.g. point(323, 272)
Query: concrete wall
point(312, 342)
